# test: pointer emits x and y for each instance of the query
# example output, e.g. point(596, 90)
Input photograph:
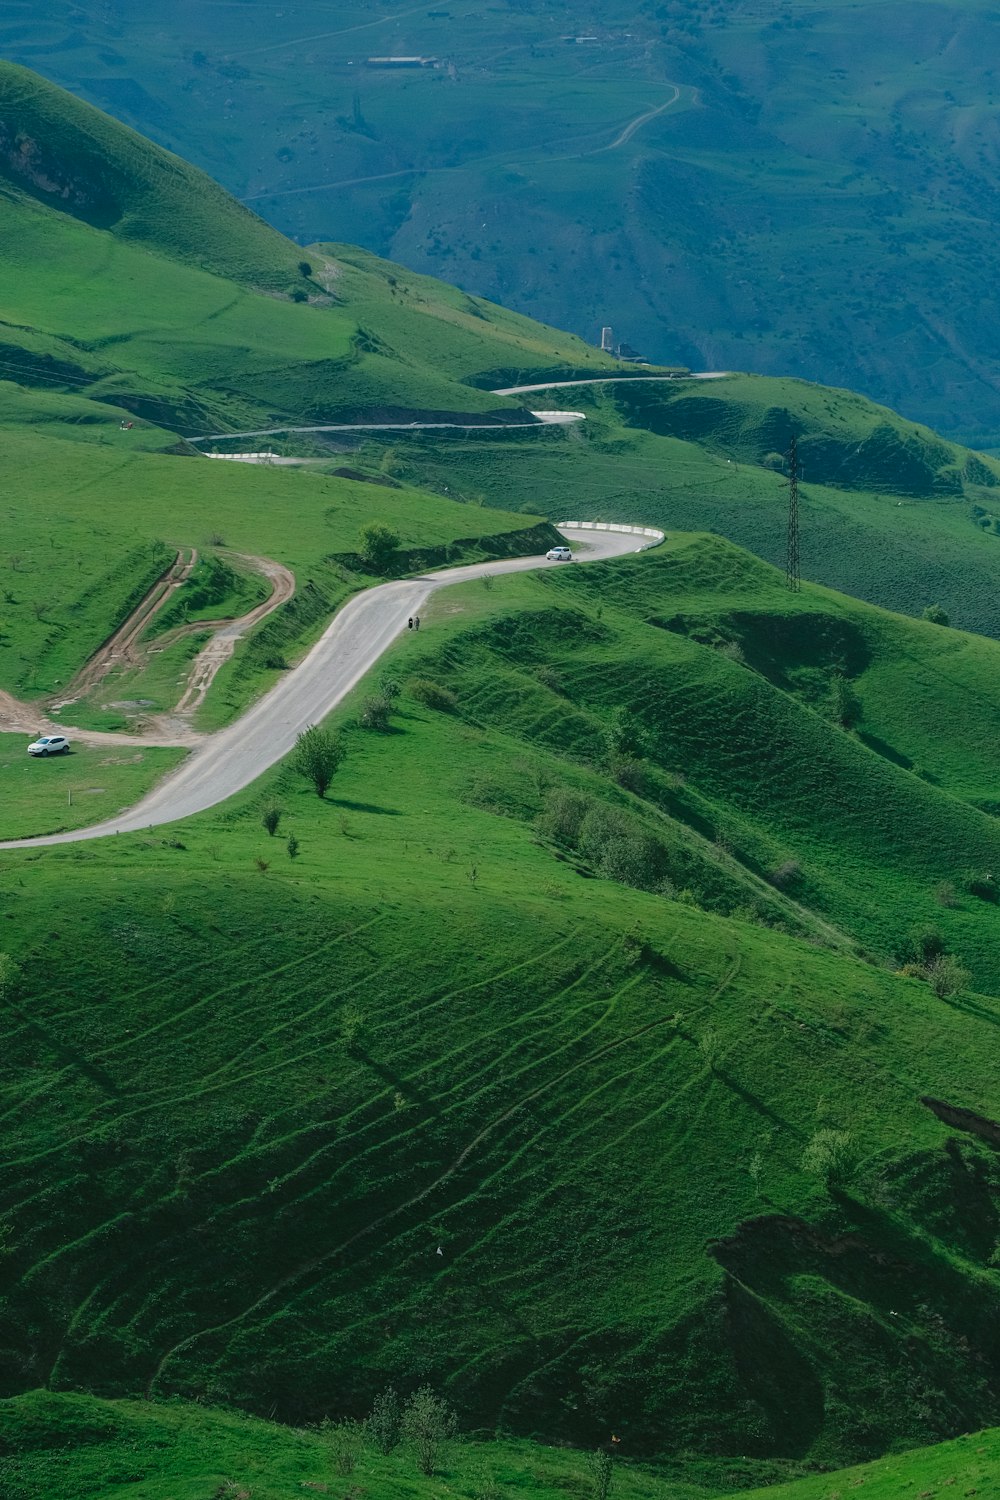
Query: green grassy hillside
point(81, 1448)
point(227, 325)
point(96, 324)
point(91, 524)
point(614, 1049)
point(540, 969)
point(802, 191)
point(889, 511)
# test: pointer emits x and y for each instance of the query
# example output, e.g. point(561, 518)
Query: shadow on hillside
point(402, 1086)
point(887, 751)
point(755, 1102)
point(365, 807)
point(971, 1008)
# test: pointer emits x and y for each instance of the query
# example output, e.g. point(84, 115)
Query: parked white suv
point(49, 744)
point(559, 554)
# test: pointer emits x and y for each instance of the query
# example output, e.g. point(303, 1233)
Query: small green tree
point(389, 688)
point(270, 818)
point(384, 1424)
point(318, 755)
point(305, 269)
point(428, 1422)
point(377, 545)
point(602, 1467)
point(292, 846)
point(344, 1440)
point(625, 735)
point(946, 976)
point(352, 1024)
point(936, 615)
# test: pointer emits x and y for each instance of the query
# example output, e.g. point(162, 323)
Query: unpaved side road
point(123, 648)
point(226, 762)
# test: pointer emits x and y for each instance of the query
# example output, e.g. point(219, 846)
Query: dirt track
point(123, 649)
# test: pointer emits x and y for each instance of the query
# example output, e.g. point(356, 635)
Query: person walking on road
point(416, 622)
point(409, 623)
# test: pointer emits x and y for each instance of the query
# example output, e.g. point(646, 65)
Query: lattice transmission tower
point(792, 579)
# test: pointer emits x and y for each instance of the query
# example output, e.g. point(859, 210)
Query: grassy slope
point(429, 1029)
point(80, 1448)
point(546, 1069)
point(817, 200)
point(90, 525)
point(887, 508)
point(156, 300)
point(187, 348)
point(70, 791)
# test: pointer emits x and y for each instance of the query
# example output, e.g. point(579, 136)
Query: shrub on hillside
point(376, 714)
point(619, 849)
point(830, 1155)
point(921, 945)
point(549, 677)
point(377, 545)
point(433, 695)
point(562, 815)
point(629, 773)
point(428, 1422)
point(317, 756)
point(936, 615)
point(625, 735)
point(384, 1423)
point(946, 976)
point(788, 873)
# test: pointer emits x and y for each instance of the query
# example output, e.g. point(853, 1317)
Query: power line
point(792, 579)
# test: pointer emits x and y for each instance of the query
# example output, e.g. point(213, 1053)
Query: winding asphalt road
point(562, 385)
point(230, 760)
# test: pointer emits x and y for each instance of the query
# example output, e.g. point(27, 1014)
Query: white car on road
point(559, 554)
point(49, 744)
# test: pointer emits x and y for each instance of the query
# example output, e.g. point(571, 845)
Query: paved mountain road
point(226, 762)
point(562, 385)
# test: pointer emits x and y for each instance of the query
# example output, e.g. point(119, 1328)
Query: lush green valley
point(612, 1049)
point(805, 188)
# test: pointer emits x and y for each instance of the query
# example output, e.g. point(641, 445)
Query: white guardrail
point(655, 537)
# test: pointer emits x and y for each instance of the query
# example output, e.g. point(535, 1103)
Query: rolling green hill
point(542, 968)
point(226, 325)
point(614, 1048)
point(807, 190)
